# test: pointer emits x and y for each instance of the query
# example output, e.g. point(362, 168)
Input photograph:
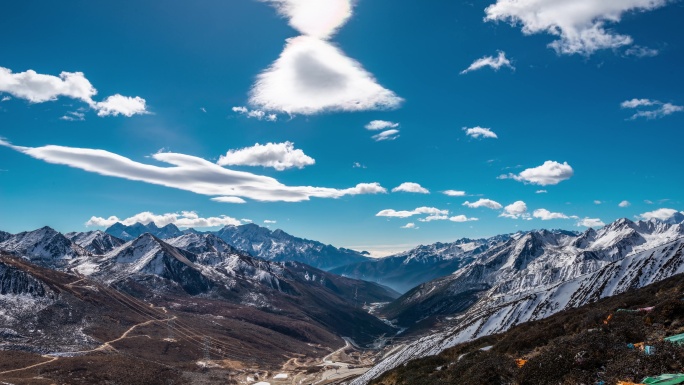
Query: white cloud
point(280, 156)
point(246, 220)
point(405, 214)
point(515, 210)
point(546, 215)
point(184, 219)
point(257, 114)
point(541, 192)
point(74, 116)
point(386, 135)
point(270, 221)
point(462, 218)
point(40, 88)
point(477, 132)
point(436, 217)
point(624, 204)
point(490, 61)
point(580, 25)
point(488, 203)
point(635, 103)
point(358, 165)
point(116, 105)
point(590, 222)
point(639, 51)
point(364, 188)
point(454, 193)
point(549, 173)
point(188, 173)
point(597, 202)
point(409, 225)
point(315, 18)
point(376, 125)
point(657, 109)
point(313, 76)
point(411, 187)
point(226, 199)
point(6, 98)
point(661, 214)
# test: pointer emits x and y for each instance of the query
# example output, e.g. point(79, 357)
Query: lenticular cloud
point(312, 75)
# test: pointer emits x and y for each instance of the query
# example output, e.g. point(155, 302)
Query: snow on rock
point(536, 275)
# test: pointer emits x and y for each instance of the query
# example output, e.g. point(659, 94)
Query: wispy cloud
point(227, 199)
point(624, 204)
point(650, 109)
point(182, 219)
point(580, 25)
point(409, 225)
point(40, 88)
point(454, 193)
point(386, 135)
point(549, 173)
point(639, 51)
point(490, 61)
point(256, 114)
point(280, 156)
point(188, 173)
point(73, 116)
point(590, 222)
point(409, 213)
point(488, 203)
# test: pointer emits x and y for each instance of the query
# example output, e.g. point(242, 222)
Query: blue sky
point(598, 87)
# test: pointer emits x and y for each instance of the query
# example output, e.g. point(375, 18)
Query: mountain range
point(297, 300)
point(253, 278)
point(529, 277)
point(261, 242)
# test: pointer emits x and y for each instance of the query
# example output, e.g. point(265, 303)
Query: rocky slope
point(204, 265)
point(584, 345)
point(95, 242)
point(532, 277)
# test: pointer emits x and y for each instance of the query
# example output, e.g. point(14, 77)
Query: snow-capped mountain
point(280, 246)
point(44, 246)
point(535, 275)
point(408, 269)
point(210, 249)
point(133, 231)
point(96, 242)
point(291, 293)
point(4, 236)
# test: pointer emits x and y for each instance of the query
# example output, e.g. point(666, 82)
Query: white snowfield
point(542, 273)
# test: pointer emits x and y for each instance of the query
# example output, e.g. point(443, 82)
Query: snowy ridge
point(96, 242)
point(535, 276)
point(424, 263)
point(280, 246)
point(44, 245)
